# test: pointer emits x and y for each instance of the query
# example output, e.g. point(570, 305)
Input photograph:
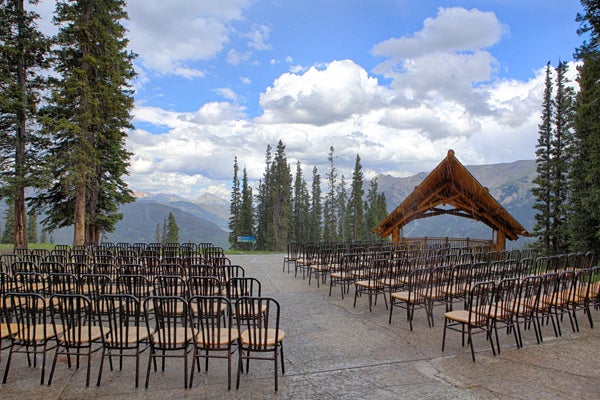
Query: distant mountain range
point(206, 218)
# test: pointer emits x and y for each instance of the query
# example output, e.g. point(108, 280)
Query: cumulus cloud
point(322, 96)
point(201, 30)
point(441, 92)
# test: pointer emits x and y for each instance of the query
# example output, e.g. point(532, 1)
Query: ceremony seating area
point(479, 289)
point(184, 301)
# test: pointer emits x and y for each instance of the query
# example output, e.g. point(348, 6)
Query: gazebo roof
point(451, 189)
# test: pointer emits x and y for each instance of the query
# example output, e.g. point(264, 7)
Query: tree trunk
point(79, 216)
point(20, 228)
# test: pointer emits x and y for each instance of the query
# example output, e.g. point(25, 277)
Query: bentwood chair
point(124, 331)
point(30, 329)
point(474, 318)
point(261, 338)
point(76, 335)
point(167, 318)
point(414, 296)
point(211, 337)
point(372, 283)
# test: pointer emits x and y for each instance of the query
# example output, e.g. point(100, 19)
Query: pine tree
point(263, 207)
point(165, 235)
point(330, 208)
point(584, 216)
point(300, 207)
point(355, 209)
point(44, 238)
point(234, 207)
point(9, 222)
point(172, 229)
point(23, 60)
point(542, 183)
point(315, 227)
point(562, 150)
point(375, 209)
point(246, 220)
point(32, 228)
point(87, 114)
point(342, 223)
point(280, 197)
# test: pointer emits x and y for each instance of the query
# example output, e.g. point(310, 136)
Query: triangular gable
point(451, 189)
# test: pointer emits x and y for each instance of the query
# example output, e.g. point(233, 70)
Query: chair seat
point(4, 329)
point(85, 336)
point(221, 341)
point(406, 296)
point(369, 284)
point(37, 334)
point(462, 316)
point(245, 337)
point(181, 337)
point(131, 337)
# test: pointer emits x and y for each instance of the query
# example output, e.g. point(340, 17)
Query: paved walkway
point(335, 351)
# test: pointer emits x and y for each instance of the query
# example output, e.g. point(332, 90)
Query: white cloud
point(170, 35)
point(258, 37)
point(322, 96)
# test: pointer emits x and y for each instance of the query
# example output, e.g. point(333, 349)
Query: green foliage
point(235, 207)
point(172, 229)
point(584, 216)
point(355, 209)
point(32, 228)
point(23, 61)
point(301, 219)
point(88, 112)
point(315, 225)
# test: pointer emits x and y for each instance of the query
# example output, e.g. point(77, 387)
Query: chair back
point(481, 300)
point(206, 316)
point(168, 322)
point(73, 313)
point(258, 322)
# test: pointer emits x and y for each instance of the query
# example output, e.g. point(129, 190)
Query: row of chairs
point(119, 325)
point(226, 281)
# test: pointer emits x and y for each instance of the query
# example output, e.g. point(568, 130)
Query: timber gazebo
point(450, 189)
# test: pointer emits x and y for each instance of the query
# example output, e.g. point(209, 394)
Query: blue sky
point(398, 82)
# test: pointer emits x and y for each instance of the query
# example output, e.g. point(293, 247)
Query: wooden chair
point(474, 318)
point(371, 284)
point(124, 331)
point(414, 296)
point(211, 338)
point(76, 335)
point(167, 318)
point(30, 330)
point(261, 337)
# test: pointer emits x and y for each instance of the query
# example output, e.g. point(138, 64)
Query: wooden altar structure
point(451, 189)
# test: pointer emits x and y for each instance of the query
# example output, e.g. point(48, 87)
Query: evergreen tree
point(315, 230)
point(9, 222)
point(32, 228)
point(172, 229)
point(355, 209)
point(342, 223)
point(164, 235)
point(280, 198)
point(23, 51)
point(263, 207)
point(88, 112)
point(300, 207)
point(234, 207)
point(246, 220)
point(330, 208)
point(44, 238)
point(542, 183)
point(375, 209)
point(562, 150)
point(584, 216)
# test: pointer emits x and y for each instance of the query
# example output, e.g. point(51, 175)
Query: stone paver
point(336, 351)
